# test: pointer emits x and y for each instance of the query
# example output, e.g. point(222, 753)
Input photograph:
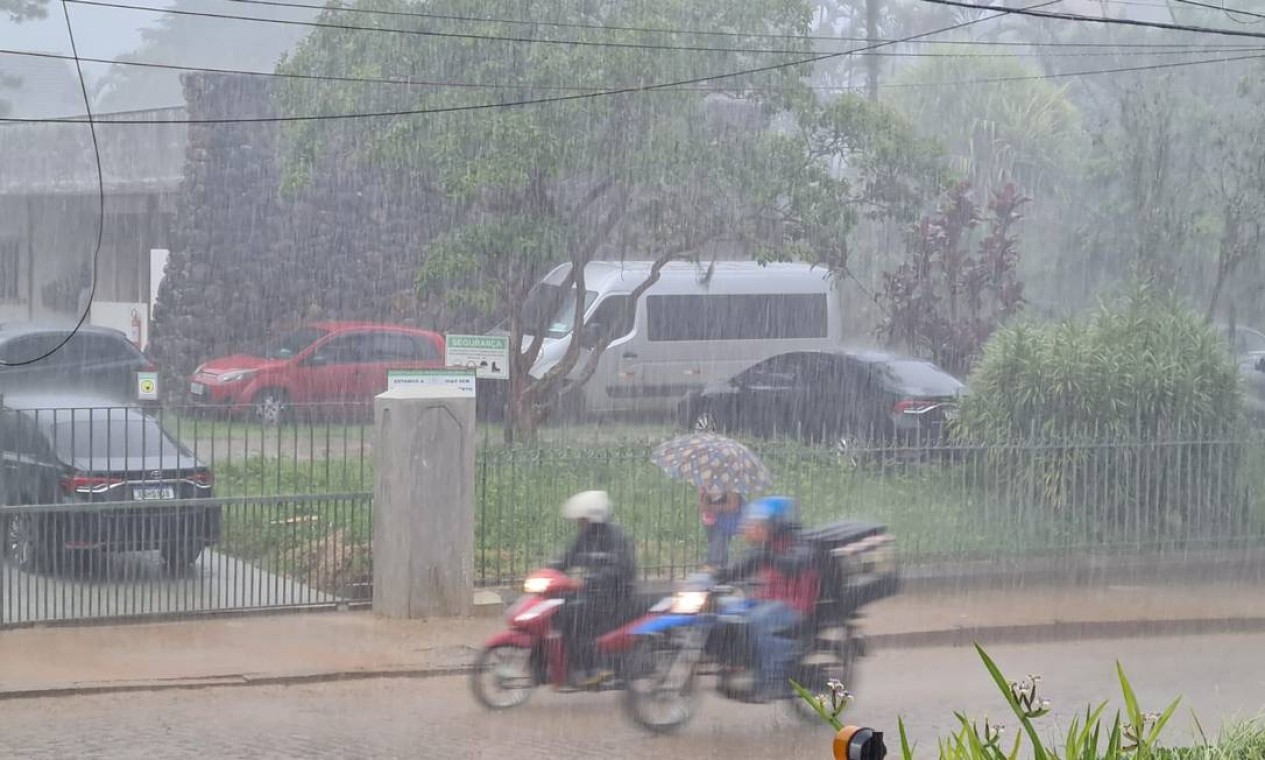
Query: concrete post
point(423, 505)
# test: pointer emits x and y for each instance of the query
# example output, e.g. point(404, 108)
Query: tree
point(944, 301)
point(18, 11)
point(754, 160)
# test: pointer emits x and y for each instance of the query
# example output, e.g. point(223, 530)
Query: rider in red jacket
point(789, 587)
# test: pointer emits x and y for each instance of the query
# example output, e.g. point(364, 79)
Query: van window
point(757, 316)
point(614, 316)
point(555, 306)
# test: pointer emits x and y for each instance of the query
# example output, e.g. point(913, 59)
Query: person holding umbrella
point(721, 515)
point(724, 472)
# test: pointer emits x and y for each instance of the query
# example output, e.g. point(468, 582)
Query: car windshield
point(559, 305)
point(923, 378)
point(112, 436)
point(291, 344)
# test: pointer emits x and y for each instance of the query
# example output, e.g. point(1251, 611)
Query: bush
point(1127, 734)
point(1135, 410)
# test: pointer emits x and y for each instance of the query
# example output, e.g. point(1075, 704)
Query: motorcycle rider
point(607, 584)
point(791, 583)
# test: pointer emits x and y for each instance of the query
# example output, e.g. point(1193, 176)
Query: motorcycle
point(531, 653)
point(703, 631)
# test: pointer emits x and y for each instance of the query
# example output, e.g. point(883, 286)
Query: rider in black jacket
point(608, 558)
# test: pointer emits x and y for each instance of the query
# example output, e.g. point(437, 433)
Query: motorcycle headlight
point(689, 602)
point(536, 585)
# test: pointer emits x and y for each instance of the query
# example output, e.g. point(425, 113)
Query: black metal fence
point(246, 515)
point(238, 554)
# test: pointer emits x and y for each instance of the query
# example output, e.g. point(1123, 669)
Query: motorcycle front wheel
point(503, 677)
point(649, 701)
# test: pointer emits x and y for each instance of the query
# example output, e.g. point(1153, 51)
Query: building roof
point(57, 158)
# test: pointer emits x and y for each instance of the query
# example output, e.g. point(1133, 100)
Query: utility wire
point(1252, 54)
point(1101, 20)
point(533, 101)
point(667, 30)
point(1226, 11)
point(96, 250)
point(491, 37)
point(431, 33)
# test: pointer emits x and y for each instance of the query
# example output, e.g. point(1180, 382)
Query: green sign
point(487, 355)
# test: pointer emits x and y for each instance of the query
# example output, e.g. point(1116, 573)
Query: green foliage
point(1134, 408)
point(1131, 733)
point(1025, 131)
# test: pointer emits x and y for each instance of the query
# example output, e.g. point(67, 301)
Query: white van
point(696, 324)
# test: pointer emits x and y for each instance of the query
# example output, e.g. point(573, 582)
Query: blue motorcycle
point(703, 631)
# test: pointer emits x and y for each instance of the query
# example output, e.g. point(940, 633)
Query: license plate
point(197, 389)
point(154, 493)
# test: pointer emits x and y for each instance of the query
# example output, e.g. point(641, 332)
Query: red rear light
point(89, 483)
point(912, 406)
point(202, 479)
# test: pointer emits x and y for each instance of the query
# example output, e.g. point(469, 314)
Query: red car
point(338, 364)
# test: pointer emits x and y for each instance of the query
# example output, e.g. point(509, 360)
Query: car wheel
point(178, 555)
point(23, 544)
point(272, 406)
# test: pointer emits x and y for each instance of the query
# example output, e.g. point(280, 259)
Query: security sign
point(146, 386)
point(487, 355)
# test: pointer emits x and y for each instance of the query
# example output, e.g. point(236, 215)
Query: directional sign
point(146, 386)
point(487, 355)
point(460, 382)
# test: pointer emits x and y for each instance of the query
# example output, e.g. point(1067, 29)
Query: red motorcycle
point(532, 653)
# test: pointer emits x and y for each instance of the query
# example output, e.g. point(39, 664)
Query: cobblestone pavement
point(1220, 677)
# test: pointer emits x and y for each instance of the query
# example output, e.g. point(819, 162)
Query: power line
point(1101, 20)
point(597, 91)
point(1225, 10)
point(96, 251)
point(409, 82)
point(674, 31)
point(532, 101)
point(444, 35)
point(528, 40)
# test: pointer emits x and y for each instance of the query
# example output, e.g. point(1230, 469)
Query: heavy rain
point(632, 378)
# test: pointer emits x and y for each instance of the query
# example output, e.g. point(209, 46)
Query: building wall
point(47, 243)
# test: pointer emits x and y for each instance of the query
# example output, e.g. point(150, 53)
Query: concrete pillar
point(423, 503)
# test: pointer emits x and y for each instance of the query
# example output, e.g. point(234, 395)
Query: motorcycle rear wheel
point(503, 677)
point(648, 703)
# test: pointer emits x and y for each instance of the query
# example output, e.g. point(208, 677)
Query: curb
point(952, 637)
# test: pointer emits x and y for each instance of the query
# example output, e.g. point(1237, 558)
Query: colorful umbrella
point(713, 463)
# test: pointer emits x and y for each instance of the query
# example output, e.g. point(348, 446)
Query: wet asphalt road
point(1220, 677)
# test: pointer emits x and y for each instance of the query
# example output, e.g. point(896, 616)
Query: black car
point(830, 397)
point(73, 451)
point(96, 360)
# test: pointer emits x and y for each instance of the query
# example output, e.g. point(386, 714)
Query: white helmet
point(594, 506)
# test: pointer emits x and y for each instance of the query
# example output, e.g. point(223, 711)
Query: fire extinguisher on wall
point(135, 332)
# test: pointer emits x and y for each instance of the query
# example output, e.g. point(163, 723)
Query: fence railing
point(939, 502)
point(183, 557)
point(295, 506)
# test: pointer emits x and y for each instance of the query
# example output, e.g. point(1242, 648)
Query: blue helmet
point(776, 510)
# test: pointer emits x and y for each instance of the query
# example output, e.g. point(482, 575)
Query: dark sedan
point(75, 451)
point(91, 360)
point(831, 397)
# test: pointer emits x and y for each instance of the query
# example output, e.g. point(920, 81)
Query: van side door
point(613, 386)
